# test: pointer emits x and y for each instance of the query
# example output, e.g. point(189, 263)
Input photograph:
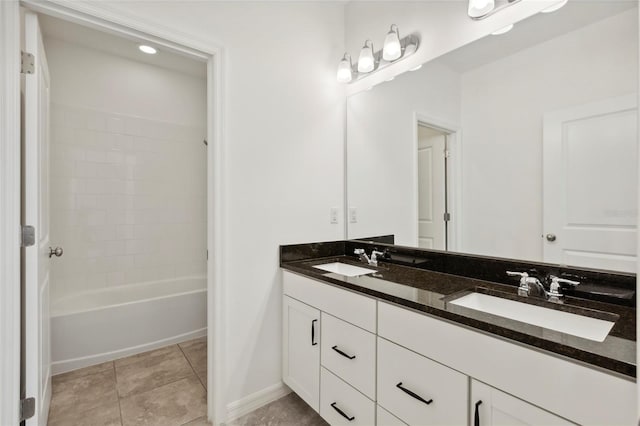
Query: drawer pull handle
point(476, 416)
point(341, 412)
point(413, 394)
point(335, 348)
point(313, 332)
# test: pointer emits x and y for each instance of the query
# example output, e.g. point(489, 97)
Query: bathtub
point(103, 325)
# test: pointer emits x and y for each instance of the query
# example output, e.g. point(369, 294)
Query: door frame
point(101, 17)
point(454, 175)
point(10, 211)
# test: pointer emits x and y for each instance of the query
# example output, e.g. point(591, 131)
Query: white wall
point(381, 153)
point(284, 124)
point(502, 107)
point(128, 171)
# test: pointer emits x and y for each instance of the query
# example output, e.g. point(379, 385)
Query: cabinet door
point(301, 350)
point(491, 407)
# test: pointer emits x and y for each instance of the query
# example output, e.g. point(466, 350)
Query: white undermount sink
point(344, 269)
point(564, 322)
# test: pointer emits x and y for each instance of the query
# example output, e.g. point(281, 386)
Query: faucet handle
point(559, 281)
point(523, 276)
point(554, 287)
point(358, 251)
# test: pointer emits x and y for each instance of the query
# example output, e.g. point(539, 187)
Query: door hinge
point(27, 63)
point(447, 153)
point(447, 217)
point(28, 236)
point(27, 408)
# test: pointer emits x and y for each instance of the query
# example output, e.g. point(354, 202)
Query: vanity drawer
point(385, 418)
point(404, 378)
point(350, 353)
point(340, 404)
point(349, 306)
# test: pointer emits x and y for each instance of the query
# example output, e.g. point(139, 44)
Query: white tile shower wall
point(128, 199)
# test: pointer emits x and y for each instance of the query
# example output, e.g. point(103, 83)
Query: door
point(590, 185)
point(301, 347)
point(35, 205)
point(431, 188)
point(491, 407)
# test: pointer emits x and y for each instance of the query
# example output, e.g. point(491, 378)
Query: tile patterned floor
point(164, 387)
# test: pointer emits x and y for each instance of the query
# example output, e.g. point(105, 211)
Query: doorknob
point(55, 251)
point(551, 237)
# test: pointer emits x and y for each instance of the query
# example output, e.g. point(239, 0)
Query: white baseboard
point(256, 400)
point(67, 365)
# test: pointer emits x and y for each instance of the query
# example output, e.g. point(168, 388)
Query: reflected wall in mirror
point(526, 142)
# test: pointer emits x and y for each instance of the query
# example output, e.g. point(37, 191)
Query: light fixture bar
point(495, 10)
point(409, 46)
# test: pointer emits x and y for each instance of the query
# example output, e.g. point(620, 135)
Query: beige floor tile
point(202, 421)
point(171, 405)
point(92, 397)
point(102, 415)
point(145, 355)
point(144, 372)
point(75, 374)
point(202, 375)
point(290, 410)
point(196, 353)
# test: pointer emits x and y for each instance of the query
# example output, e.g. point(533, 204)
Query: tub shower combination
point(93, 327)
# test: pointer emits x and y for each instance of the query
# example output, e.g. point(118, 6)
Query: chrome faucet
point(363, 255)
point(527, 284)
point(373, 261)
point(554, 290)
point(532, 286)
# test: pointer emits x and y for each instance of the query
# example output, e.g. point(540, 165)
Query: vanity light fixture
point(147, 49)
point(392, 49)
point(503, 30)
point(369, 61)
point(366, 60)
point(480, 9)
point(555, 7)
point(345, 73)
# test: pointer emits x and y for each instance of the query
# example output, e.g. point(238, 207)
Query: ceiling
point(534, 30)
point(119, 46)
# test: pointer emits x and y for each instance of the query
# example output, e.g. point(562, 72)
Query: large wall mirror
point(521, 145)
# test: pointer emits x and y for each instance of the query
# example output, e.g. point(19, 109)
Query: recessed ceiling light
point(147, 49)
point(503, 30)
point(555, 7)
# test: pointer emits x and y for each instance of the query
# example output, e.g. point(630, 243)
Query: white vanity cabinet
point(350, 356)
point(338, 374)
point(491, 407)
point(301, 350)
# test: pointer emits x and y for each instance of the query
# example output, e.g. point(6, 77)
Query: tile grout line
point(115, 373)
point(191, 365)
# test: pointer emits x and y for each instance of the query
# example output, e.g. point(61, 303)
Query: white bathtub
point(94, 327)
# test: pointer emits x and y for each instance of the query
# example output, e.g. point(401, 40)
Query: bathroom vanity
point(389, 345)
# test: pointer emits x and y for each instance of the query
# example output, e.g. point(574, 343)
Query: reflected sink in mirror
point(565, 322)
point(345, 269)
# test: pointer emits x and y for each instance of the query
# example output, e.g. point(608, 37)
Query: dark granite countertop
point(428, 291)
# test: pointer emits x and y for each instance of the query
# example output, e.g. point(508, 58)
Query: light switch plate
point(353, 215)
point(333, 215)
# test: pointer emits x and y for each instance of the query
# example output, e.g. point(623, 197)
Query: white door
point(590, 185)
point(301, 346)
point(431, 189)
point(492, 407)
point(37, 357)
